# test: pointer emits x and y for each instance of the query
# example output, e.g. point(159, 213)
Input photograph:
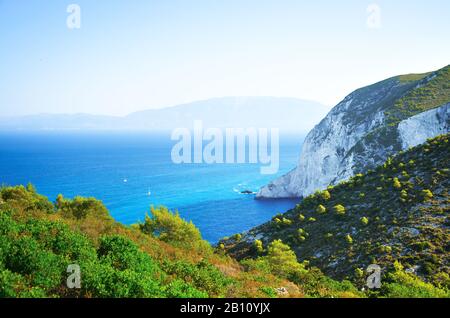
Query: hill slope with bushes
point(395, 216)
point(163, 257)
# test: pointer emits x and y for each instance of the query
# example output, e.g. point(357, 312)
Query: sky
point(133, 55)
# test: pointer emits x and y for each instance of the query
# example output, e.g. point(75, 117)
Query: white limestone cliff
point(338, 146)
point(417, 129)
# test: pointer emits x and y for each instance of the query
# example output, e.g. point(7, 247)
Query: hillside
point(163, 257)
point(396, 214)
point(166, 257)
point(368, 126)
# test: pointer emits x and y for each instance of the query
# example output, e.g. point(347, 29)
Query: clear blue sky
point(132, 55)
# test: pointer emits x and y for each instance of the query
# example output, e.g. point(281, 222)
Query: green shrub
point(321, 209)
point(396, 183)
point(269, 292)
point(26, 198)
point(339, 209)
point(181, 289)
point(123, 254)
point(286, 221)
point(170, 227)
point(325, 195)
point(404, 285)
point(349, 239)
point(359, 273)
point(364, 220)
point(237, 237)
point(328, 235)
point(202, 276)
point(427, 195)
point(81, 208)
point(258, 245)
point(282, 259)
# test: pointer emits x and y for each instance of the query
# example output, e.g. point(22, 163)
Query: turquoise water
point(131, 172)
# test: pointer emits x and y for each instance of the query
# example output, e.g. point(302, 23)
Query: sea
point(130, 172)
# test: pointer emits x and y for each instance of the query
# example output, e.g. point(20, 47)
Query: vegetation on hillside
point(395, 216)
point(430, 92)
point(163, 257)
point(393, 100)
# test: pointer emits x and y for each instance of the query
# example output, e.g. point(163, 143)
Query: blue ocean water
point(130, 172)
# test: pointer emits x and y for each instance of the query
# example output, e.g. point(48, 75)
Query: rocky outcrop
point(360, 133)
point(417, 129)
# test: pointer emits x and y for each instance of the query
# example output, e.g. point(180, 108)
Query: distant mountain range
point(288, 114)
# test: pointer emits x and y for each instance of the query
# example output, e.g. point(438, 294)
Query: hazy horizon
point(126, 57)
point(224, 112)
point(165, 107)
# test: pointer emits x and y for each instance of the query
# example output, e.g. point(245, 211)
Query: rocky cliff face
point(366, 128)
point(415, 130)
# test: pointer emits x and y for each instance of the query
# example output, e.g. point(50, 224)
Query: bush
point(181, 289)
point(325, 195)
point(404, 285)
point(396, 183)
point(349, 239)
point(364, 220)
point(282, 259)
point(427, 195)
point(258, 245)
point(339, 209)
point(286, 221)
point(237, 237)
point(81, 208)
point(123, 254)
point(26, 199)
point(315, 284)
point(13, 285)
point(28, 258)
point(170, 227)
point(321, 209)
point(202, 276)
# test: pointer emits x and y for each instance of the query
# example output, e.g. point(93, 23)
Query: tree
point(286, 221)
point(326, 195)
point(59, 202)
point(258, 246)
point(170, 227)
point(364, 220)
point(282, 259)
point(427, 195)
point(339, 209)
point(81, 208)
point(349, 239)
point(396, 183)
point(321, 209)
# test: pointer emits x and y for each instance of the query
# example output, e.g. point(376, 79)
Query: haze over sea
point(130, 172)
